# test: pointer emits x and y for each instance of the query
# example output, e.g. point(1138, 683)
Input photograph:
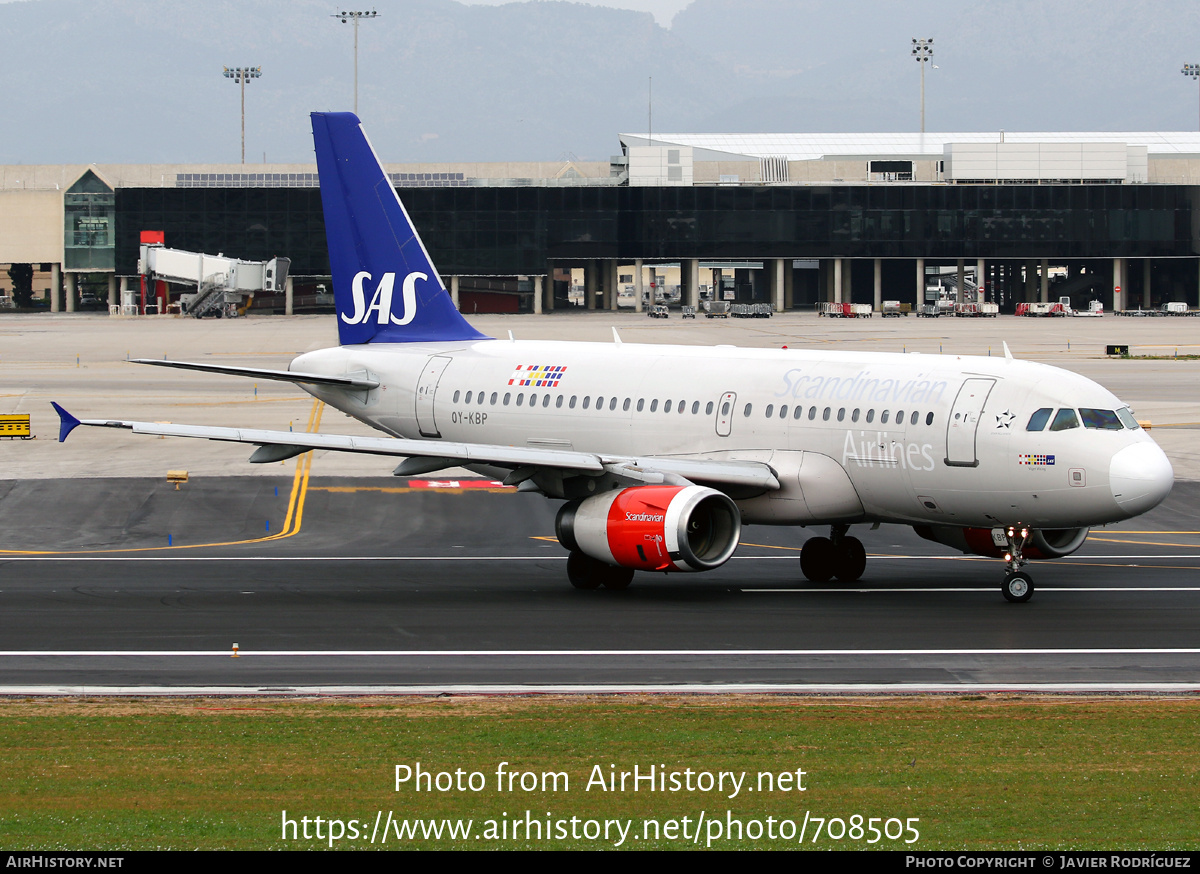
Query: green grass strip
point(979, 773)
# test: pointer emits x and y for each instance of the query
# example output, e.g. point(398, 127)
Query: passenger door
point(964, 422)
point(426, 392)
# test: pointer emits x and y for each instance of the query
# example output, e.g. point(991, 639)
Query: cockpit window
point(1102, 420)
point(1064, 420)
point(1038, 420)
point(1126, 416)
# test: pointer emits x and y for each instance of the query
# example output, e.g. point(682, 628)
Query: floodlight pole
point(1192, 70)
point(355, 17)
point(922, 52)
point(240, 75)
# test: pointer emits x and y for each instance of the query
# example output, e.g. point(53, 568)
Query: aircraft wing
point(437, 455)
point(362, 383)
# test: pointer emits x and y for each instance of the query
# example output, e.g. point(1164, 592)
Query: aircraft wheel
point(818, 558)
point(1017, 588)
point(851, 559)
point(585, 572)
point(618, 577)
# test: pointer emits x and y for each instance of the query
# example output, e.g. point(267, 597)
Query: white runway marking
point(556, 556)
point(904, 590)
point(559, 653)
point(278, 558)
point(284, 690)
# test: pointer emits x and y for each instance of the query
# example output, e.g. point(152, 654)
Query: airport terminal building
point(790, 220)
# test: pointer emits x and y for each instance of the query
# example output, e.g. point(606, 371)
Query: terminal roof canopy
point(814, 147)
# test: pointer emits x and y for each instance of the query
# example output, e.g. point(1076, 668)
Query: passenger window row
point(597, 402)
point(827, 413)
point(668, 406)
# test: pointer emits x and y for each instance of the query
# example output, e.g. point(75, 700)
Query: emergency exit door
point(725, 413)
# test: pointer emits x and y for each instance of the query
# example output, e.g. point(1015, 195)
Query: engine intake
point(659, 528)
point(1042, 543)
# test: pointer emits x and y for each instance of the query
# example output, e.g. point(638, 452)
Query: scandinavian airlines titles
point(877, 450)
point(860, 387)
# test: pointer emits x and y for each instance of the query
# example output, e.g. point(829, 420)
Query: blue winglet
point(67, 422)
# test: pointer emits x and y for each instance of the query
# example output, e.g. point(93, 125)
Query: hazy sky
point(663, 10)
point(462, 85)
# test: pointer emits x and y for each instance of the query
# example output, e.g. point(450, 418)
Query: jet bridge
point(223, 286)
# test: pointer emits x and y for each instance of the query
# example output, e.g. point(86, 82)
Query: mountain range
point(140, 81)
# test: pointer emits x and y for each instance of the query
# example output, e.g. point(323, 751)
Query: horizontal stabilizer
point(357, 382)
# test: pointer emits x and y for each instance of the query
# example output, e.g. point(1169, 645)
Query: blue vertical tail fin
point(384, 285)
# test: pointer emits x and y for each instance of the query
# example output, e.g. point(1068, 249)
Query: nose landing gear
point(1018, 585)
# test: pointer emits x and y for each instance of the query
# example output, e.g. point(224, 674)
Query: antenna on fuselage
point(616, 336)
point(511, 338)
point(1007, 352)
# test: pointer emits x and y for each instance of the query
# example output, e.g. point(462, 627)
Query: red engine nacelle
point(653, 528)
point(1041, 544)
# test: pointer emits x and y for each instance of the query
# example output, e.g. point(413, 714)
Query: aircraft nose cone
point(1140, 477)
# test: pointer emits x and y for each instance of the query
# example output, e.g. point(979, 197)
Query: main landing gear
point(586, 572)
point(837, 555)
point(1018, 585)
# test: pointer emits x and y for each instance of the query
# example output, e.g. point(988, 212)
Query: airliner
point(660, 454)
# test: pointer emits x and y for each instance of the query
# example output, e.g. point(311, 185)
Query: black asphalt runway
point(129, 585)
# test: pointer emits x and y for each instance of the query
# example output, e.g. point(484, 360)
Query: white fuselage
point(918, 439)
